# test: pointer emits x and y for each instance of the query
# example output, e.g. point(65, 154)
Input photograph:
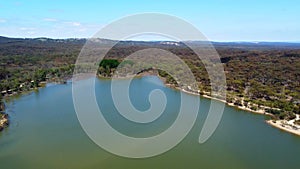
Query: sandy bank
point(285, 126)
point(3, 121)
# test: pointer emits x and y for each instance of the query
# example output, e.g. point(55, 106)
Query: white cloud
point(50, 19)
point(59, 29)
point(74, 23)
point(2, 20)
point(27, 29)
point(82, 30)
point(31, 32)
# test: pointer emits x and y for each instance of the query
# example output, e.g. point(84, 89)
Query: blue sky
point(218, 20)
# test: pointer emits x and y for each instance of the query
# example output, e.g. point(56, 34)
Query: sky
point(218, 20)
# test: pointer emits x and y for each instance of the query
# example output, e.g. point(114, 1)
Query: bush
point(273, 111)
point(281, 116)
point(255, 108)
point(238, 103)
point(290, 116)
point(297, 122)
point(109, 63)
point(229, 99)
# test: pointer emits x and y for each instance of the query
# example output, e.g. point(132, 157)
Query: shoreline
point(287, 126)
point(279, 124)
point(246, 109)
point(4, 117)
point(4, 123)
point(282, 125)
point(260, 111)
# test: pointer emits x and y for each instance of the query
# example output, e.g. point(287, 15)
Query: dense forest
point(258, 75)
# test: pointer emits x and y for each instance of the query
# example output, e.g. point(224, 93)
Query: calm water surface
point(45, 133)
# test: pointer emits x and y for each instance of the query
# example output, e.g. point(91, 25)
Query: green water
point(45, 133)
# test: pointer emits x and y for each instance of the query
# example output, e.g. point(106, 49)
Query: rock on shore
point(3, 121)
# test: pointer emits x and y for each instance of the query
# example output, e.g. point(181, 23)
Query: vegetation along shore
point(3, 116)
point(261, 77)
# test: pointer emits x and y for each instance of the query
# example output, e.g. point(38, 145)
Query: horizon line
point(140, 40)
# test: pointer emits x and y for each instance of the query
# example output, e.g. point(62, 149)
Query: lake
point(45, 133)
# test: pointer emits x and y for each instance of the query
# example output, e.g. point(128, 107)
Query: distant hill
point(73, 42)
